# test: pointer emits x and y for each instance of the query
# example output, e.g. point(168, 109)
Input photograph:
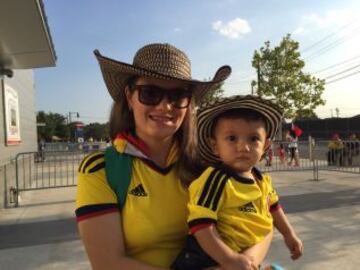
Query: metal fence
point(313, 155)
point(42, 170)
point(58, 168)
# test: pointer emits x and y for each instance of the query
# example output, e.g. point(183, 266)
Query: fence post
point(17, 181)
point(5, 188)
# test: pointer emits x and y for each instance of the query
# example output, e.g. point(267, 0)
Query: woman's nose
point(165, 103)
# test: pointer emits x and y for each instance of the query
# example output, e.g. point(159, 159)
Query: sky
point(211, 32)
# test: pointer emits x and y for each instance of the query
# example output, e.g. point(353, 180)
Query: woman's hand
point(240, 262)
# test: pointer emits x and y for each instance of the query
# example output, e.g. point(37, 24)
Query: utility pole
point(70, 113)
point(258, 76)
point(77, 116)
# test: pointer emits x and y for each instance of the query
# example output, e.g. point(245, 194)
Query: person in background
point(351, 148)
point(269, 155)
point(335, 154)
point(41, 150)
point(152, 124)
point(282, 157)
point(233, 206)
point(292, 140)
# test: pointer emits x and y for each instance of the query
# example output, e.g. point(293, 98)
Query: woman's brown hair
point(122, 120)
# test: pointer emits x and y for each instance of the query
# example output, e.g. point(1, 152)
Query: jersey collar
point(255, 172)
point(129, 143)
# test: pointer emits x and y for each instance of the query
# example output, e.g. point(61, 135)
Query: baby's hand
point(294, 245)
point(240, 262)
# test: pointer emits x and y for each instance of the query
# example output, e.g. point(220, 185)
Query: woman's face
point(159, 121)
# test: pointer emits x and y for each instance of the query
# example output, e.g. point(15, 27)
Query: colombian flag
point(298, 131)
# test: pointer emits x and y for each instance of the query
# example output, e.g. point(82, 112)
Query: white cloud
point(330, 19)
point(233, 29)
point(177, 29)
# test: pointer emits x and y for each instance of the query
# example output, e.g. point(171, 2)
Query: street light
point(71, 113)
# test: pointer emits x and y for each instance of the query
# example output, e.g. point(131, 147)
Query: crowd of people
point(342, 153)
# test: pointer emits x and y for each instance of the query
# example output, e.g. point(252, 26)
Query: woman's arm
point(104, 244)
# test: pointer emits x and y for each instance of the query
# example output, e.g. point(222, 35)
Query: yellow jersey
point(240, 207)
point(154, 214)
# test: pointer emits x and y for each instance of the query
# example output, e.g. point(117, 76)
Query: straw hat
point(209, 111)
point(160, 61)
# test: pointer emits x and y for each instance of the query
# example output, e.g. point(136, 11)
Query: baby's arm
point(283, 225)
point(211, 242)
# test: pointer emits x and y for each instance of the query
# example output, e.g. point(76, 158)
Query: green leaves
point(55, 125)
point(280, 76)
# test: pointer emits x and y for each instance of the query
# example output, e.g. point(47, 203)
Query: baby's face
point(239, 143)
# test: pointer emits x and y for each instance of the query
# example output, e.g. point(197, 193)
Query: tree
point(216, 92)
point(55, 125)
point(280, 77)
point(96, 131)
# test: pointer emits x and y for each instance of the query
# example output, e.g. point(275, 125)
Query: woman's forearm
point(105, 247)
point(211, 242)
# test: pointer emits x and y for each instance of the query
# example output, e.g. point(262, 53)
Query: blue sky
point(211, 32)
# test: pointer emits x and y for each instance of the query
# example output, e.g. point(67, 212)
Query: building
point(25, 44)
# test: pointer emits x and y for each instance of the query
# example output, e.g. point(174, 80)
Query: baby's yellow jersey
point(240, 207)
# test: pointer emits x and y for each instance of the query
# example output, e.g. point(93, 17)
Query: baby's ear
point(213, 146)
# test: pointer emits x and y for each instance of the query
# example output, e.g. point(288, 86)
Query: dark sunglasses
point(152, 95)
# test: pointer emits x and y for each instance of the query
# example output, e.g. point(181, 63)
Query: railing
point(313, 155)
point(42, 170)
point(58, 168)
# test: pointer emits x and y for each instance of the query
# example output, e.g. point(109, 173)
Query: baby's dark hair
point(245, 114)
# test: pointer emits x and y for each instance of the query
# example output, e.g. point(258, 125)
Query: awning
point(25, 40)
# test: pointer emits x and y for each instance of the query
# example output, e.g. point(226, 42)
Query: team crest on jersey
point(248, 208)
point(138, 191)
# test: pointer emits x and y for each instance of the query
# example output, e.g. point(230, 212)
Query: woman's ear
point(128, 95)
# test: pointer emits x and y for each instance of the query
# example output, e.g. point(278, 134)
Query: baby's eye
point(231, 138)
point(255, 138)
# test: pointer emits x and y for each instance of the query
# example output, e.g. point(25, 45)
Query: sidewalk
point(41, 234)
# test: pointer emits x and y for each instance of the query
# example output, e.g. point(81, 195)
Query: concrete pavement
point(41, 234)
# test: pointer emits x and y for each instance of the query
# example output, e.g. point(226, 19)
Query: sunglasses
point(152, 95)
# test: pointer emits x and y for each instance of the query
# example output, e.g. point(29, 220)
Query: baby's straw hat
point(209, 111)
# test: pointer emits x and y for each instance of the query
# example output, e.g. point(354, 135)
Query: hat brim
point(116, 74)
point(208, 112)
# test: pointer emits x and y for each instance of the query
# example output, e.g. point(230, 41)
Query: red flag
point(298, 131)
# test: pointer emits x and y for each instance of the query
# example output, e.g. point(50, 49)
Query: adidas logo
point(248, 208)
point(138, 191)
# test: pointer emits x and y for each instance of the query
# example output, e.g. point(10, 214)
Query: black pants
point(192, 257)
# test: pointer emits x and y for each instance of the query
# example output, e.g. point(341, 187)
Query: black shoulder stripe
point(82, 163)
point(214, 187)
point(206, 187)
point(219, 192)
point(91, 160)
point(97, 167)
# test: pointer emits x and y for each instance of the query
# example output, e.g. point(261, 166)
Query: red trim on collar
point(134, 140)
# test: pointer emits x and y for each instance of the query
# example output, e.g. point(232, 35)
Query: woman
point(152, 120)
